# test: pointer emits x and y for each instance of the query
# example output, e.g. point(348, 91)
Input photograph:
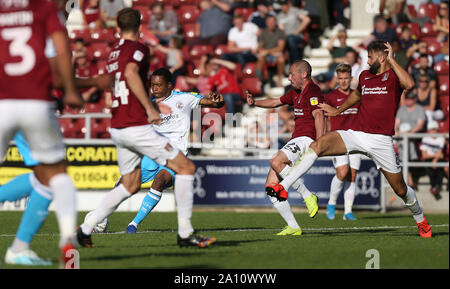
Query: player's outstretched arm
point(319, 122)
point(137, 87)
point(214, 99)
point(264, 103)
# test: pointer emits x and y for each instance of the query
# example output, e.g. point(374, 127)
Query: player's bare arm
point(319, 122)
point(406, 81)
point(330, 111)
point(214, 100)
point(137, 87)
point(65, 69)
point(264, 103)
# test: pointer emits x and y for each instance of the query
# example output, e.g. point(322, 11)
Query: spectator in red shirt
point(224, 81)
point(86, 69)
point(91, 13)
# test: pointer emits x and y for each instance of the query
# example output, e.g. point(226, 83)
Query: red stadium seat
point(178, 3)
point(412, 11)
point(189, 30)
point(72, 128)
point(188, 14)
point(429, 10)
point(197, 51)
point(220, 111)
point(443, 100)
point(443, 83)
point(414, 27)
point(252, 84)
point(441, 67)
point(245, 12)
point(103, 35)
point(220, 49)
point(147, 3)
point(93, 107)
point(146, 12)
point(427, 30)
point(100, 128)
point(434, 47)
point(249, 69)
point(83, 34)
point(99, 50)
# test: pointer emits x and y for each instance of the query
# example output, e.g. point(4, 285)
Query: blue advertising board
point(241, 183)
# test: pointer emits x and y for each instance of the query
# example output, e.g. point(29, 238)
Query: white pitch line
point(256, 230)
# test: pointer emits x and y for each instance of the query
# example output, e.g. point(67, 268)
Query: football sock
point(184, 197)
point(411, 202)
point(150, 201)
point(349, 197)
point(33, 218)
point(335, 189)
point(65, 206)
point(285, 211)
point(298, 185)
point(16, 189)
point(299, 168)
point(108, 205)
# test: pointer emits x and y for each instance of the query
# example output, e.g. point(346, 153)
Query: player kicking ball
point(309, 124)
point(132, 131)
point(379, 91)
point(176, 126)
point(347, 166)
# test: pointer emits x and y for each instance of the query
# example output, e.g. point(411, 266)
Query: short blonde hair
point(343, 67)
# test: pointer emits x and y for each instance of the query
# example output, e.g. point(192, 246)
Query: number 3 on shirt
point(19, 37)
point(120, 91)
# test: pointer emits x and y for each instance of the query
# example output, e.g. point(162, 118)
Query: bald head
point(303, 66)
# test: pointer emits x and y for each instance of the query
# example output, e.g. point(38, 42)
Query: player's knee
point(275, 164)
point(342, 174)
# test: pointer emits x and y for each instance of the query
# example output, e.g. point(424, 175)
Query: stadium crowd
point(232, 46)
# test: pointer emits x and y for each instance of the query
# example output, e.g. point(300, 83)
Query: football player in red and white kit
point(26, 104)
point(131, 130)
point(346, 165)
point(379, 93)
point(309, 124)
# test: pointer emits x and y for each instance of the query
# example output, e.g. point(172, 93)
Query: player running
point(379, 92)
point(26, 106)
point(131, 130)
point(347, 166)
point(309, 124)
point(176, 126)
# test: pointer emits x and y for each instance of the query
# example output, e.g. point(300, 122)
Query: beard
point(375, 67)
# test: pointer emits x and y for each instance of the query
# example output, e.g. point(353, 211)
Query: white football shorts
point(380, 148)
point(296, 147)
point(344, 160)
point(37, 121)
point(137, 141)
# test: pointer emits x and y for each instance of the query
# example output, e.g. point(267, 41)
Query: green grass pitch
point(247, 240)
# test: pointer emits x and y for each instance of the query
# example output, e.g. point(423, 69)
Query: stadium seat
point(189, 30)
point(93, 107)
point(249, 69)
point(99, 50)
point(188, 14)
point(414, 27)
point(197, 51)
point(147, 3)
point(245, 12)
point(427, 30)
point(444, 102)
point(146, 12)
point(412, 11)
point(220, 111)
point(428, 10)
point(441, 67)
point(72, 128)
point(100, 128)
point(192, 68)
point(101, 64)
point(443, 85)
point(252, 84)
point(178, 3)
point(220, 49)
point(103, 35)
point(83, 34)
point(434, 47)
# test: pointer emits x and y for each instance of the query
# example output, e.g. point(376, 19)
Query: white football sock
point(335, 190)
point(184, 197)
point(411, 202)
point(108, 205)
point(349, 197)
point(65, 206)
point(299, 168)
point(285, 211)
point(298, 185)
